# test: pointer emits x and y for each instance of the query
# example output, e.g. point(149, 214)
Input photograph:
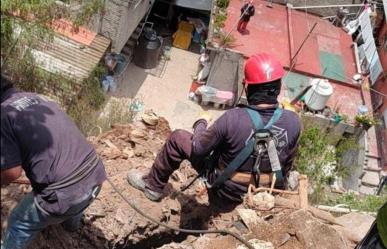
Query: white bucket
point(318, 95)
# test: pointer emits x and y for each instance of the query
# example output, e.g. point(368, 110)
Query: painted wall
point(382, 38)
point(119, 20)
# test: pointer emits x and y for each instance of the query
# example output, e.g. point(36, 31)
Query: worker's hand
point(206, 116)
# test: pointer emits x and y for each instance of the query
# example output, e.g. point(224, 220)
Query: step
point(372, 164)
point(131, 43)
point(371, 178)
point(126, 50)
point(134, 36)
point(367, 190)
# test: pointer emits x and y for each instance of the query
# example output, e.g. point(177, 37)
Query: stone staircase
point(370, 179)
point(128, 49)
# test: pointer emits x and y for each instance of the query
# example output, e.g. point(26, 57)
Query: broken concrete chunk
point(249, 217)
point(263, 201)
point(150, 118)
point(284, 238)
point(176, 246)
point(357, 224)
point(128, 152)
point(258, 244)
point(312, 233)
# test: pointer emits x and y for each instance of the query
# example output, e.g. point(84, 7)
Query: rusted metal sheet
point(71, 58)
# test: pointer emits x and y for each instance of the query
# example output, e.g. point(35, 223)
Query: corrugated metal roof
point(70, 57)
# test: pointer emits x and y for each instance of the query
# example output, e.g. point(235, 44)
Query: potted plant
point(366, 121)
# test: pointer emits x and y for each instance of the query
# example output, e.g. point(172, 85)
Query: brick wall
point(119, 20)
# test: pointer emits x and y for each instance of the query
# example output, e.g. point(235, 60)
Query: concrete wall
point(381, 86)
point(321, 11)
point(119, 20)
point(382, 38)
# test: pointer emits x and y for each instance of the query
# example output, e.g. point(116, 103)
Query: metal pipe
point(327, 6)
point(356, 51)
point(303, 42)
point(349, 14)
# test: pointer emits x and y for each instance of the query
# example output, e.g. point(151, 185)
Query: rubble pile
point(110, 223)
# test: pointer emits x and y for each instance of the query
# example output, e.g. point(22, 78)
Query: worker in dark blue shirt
point(227, 137)
point(247, 11)
point(62, 167)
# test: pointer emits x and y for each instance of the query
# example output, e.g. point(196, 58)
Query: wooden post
point(303, 191)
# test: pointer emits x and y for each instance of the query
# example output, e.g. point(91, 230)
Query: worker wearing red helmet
point(227, 137)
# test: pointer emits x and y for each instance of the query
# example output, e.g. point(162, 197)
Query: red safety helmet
point(262, 68)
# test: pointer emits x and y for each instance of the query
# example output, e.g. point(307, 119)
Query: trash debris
point(150, 118)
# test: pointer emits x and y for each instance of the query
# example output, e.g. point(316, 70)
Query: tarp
point(195, 4)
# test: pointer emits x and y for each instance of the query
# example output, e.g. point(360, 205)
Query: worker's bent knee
point(180, 135)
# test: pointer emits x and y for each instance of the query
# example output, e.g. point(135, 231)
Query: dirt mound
point(110, 223)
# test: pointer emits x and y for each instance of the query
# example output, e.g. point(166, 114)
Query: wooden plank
point(303, 191)
point(76, 54)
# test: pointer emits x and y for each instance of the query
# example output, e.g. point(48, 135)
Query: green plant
point(344, 118)
point(84, 108)
point(366, 120)
point(368, 203)
point(316, 158)
point(344, 146)
point(222, 3)
point(220, 18)
point(226, 40)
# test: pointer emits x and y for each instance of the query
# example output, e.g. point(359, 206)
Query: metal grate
point(159, 70)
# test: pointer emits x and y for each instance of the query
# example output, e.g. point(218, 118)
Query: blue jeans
point(26, 221)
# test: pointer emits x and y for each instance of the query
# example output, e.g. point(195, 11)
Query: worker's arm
point(10, 157)
point(293, 149)
point(252, 11)
point(206, 140)
point(10, 175)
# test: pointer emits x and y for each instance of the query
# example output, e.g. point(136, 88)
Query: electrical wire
point(188, 231)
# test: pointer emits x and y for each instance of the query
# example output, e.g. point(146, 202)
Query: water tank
point(318, 95)
point(147, 52)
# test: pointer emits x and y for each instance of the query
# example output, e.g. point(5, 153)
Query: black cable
point(222, 232)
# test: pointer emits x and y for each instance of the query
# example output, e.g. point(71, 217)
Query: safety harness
point(260, 142)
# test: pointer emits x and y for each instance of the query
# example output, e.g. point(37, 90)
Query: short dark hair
point(5, 83)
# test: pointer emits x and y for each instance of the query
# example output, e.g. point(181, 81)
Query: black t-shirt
point(230, 133)
point(39, 136)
